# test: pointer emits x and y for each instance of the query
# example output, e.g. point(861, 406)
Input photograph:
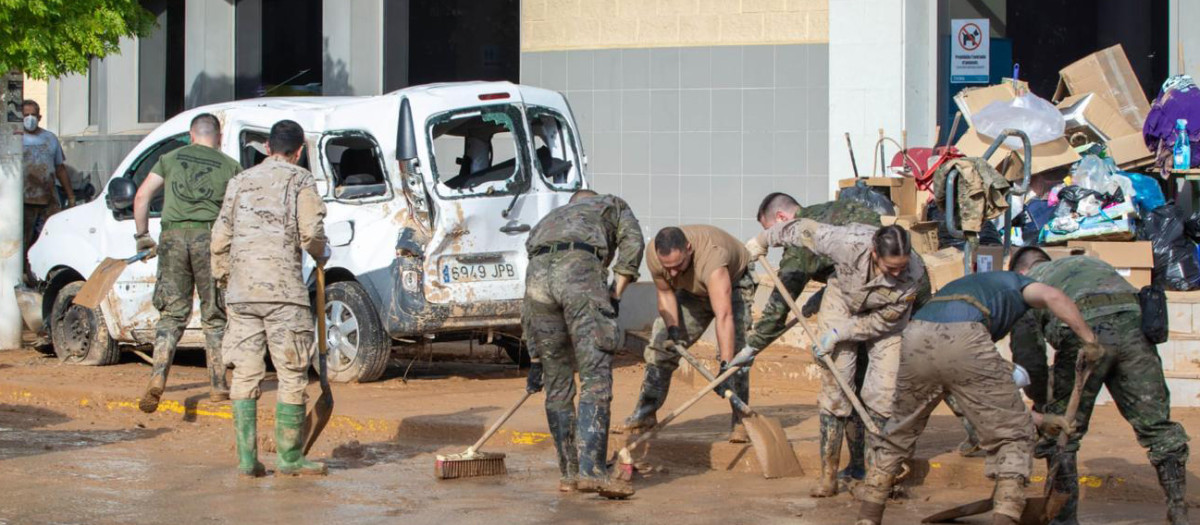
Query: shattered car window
point(142, 166)
point(554, 148)
point(476, 151)
point(356, 166)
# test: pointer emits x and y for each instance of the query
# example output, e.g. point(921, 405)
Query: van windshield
point(477, 151)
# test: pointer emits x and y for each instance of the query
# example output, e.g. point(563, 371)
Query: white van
point(431, 193)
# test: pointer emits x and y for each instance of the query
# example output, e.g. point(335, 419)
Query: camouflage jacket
point(603, 221)
point(1095, 286)
point(270, 213)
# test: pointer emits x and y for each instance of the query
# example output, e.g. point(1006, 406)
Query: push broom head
point(469, 465)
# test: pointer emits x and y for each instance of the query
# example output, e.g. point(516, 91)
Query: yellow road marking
point(528, 438)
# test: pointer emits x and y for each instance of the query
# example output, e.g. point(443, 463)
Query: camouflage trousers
point(570, 325)
point(937, 359)
point(184, 267)
point(285, 331)
point(1132, 371)
point(879, 383)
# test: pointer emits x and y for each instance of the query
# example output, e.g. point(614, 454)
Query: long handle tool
point(96, 288)
point(472, 463)
point(322, 410)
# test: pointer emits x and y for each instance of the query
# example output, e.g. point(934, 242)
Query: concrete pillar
point(1184, 38)
point(882, 74)
point(208, 57)
point(353, 47)
point(12, 251)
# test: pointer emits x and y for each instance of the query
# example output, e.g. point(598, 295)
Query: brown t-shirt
point(712, 249)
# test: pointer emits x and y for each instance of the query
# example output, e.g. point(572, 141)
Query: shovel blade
point(1035, 513)
point(96, 288)
point(770, 443)
point(961, 511)
point(322, 410)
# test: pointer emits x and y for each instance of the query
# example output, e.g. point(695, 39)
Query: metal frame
point(972, 244)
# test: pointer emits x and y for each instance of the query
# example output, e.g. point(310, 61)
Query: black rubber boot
point(856, 440)
point(1066, 481)
point(562, 428)
point(1172, 475)
point(164, 353)
point(655, 384)
point(832, 430)
point(218, 388)
point(739, 382)
point(592, 431)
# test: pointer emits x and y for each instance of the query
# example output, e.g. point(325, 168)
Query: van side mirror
point(121, 191)
point(406, 139)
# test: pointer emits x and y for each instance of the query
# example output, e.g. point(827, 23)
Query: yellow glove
point(1092, 353)
point(1054, 424)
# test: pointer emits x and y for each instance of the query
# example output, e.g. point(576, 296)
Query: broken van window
point(356, 167)
point(142, 166)
point(554, 146)
point(476, 151)
point(254, 150)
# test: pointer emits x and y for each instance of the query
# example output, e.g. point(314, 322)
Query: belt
point(566, 246)
point(186, 225)
point(987, 314)
point(1106, 299)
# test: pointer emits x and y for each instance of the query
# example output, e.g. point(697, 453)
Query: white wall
point(353, 41)
point(208, 53)
point(1183, 36)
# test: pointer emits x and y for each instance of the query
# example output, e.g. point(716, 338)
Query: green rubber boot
point(245, 431)
point(289, 420)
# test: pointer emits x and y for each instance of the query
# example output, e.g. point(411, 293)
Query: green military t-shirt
point(194, 178)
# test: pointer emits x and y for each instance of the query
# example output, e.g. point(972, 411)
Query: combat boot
point(289, 423)
point(1173, 478)
point(1008, 501)
point(1066, 481)
point(245, 431)
point(832, 429)
point(562, 429)
point(856, 440)
point(164, 354)
point(593, 452)
point(739, 383)
point(218, 389)
point(874, 494)
point(655, 385)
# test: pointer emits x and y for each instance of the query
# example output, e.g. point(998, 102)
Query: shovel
point(825, 359)
point(775, 454)
point(319, 416)
point(96, 288)
point(1040, 510)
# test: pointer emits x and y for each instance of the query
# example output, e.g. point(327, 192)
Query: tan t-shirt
point(712, 249)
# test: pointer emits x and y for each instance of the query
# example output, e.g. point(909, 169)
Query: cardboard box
point(1133, 260)
point(901, 190)
point(943, 266)
point(1105, 124)
point(924, 234)
point(990, 258)
point(1047, 156)
point(1106, 73)
point(971, 100)
point(1130, 151)
point(1095, 229)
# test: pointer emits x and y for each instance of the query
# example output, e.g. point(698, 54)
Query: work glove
point(757, 246)
point(533, 383)
point(813, 304)
point(613, 299)
point(145, 243)
point(731, 381)
point(825, 344)
point(745, 357)
point(1054, 424)
point(674, 337)
point(1092, 353)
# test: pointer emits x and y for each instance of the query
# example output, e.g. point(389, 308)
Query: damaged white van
point(431, 192)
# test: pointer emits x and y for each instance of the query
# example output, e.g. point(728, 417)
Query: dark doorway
point(160, 63)
point(277, 48)
point(455, 40)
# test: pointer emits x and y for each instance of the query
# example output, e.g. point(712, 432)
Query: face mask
point(30, 123)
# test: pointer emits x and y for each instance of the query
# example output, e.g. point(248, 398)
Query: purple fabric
point(1169, 106)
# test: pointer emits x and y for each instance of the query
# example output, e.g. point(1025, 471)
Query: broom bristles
point(466, 465)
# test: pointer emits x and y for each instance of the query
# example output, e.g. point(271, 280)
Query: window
point(554, 147)
point(355, 166)
point(160, 63)
point(141, 167)
point(254, 150)
point(476, 151)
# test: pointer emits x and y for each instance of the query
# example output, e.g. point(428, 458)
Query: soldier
point(1132, 371)
point(948, 348)
point(798, 265)
point(701, 276)
point(271, 212)
point(868, 300)
point(570, 324)
point(193, 181)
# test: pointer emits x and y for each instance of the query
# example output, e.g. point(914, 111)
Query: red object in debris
point(922, 162)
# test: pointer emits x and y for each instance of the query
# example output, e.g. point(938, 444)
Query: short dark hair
point(37, 108)
point(287, 137)
point(1027, 257)
point(891, 241)
point(669, 239)
point(206, 125)
point(582, 194)
point(775, 202)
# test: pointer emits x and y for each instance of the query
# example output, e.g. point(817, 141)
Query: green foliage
point(49, 38)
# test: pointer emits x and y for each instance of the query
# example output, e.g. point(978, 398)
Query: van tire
point(516, 350)
point(79, 335)
point(360, 355)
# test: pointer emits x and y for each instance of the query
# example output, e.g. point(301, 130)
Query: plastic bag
point(1070, 197)
point(1191, 227)
point(1175, 264)
point(1147, 194)
point(1039, 119)
point(868, 197)
point(1155, 325)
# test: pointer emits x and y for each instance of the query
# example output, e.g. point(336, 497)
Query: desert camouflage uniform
point(570, 325)
point(271, 212)
point(1131, 369)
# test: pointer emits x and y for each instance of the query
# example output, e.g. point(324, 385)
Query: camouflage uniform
point(194, 182)
point(271, 212)
point(570, 325)
point(1131, 368)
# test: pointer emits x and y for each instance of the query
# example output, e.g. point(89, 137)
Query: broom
point(471, 463)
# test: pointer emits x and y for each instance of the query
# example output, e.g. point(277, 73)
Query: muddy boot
point(856, 440)
point(1008, 501)
point(218, 389)
point(739, 382)
point(655, 385)
point(164, 354)
point(832, 429)
point(1066, 481)
point(969, 448)
point(245, 430)
point(593, 452)
point(289, 423)
point(562, 429)
point(874, 494)
point(1172, 477)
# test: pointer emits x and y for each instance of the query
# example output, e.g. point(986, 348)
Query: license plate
point(458, 272)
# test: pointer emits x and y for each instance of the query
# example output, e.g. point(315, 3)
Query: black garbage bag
point(989, 236)
point(1191, 227)
point(1175, 264)
point(870, 198)
point(1071, 195)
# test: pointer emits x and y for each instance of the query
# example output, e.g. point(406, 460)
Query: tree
point(50, 38)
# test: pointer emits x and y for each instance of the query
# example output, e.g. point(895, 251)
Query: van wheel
point(516, 350)
point(358, 346)
point(79, 334)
